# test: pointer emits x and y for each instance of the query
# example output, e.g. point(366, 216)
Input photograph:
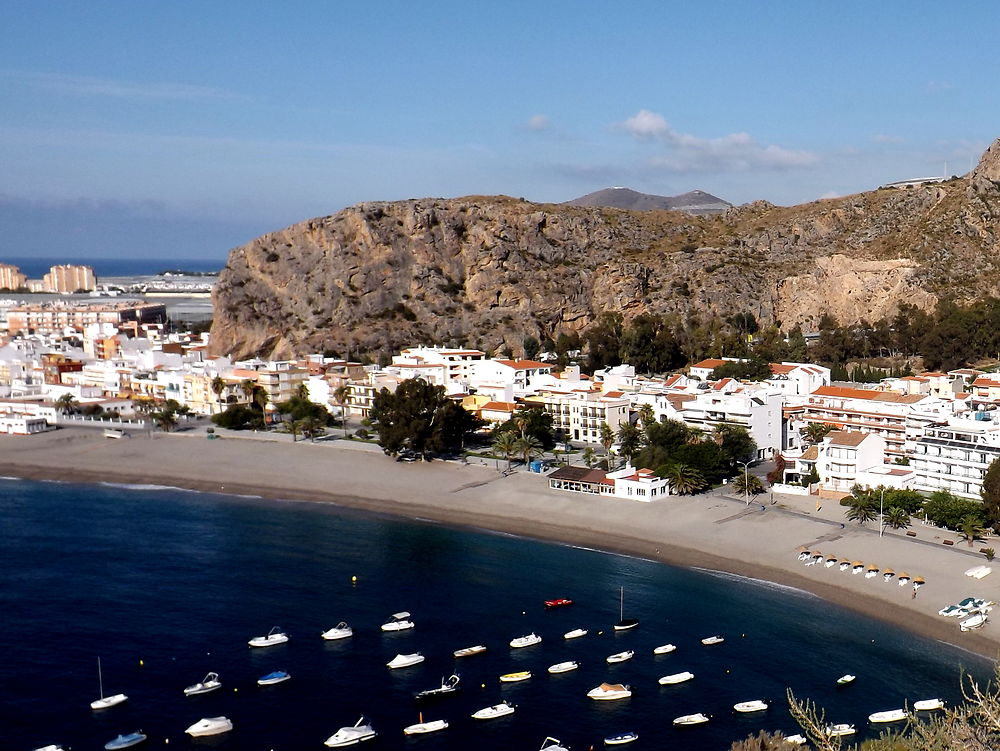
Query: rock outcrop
point(485, 271)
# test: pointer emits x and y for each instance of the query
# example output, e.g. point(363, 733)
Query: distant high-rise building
point(67, 278)
point(11, 277)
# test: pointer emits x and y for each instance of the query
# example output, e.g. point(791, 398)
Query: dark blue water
point(35, 267)
point(167, 585)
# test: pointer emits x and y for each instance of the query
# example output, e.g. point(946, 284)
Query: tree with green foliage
point(751, 369)
point(66, 403)
point(603, 341)
point(684, 479)
point(527, 448)
point(606, 436)
point(970, 528)
point(862, 512)
point(531, 347)
point(629, 440)
point(298, 408)
point(239, 417)
point(589, 456)
point(736, 443)
point(419, 416)
point(747, 484)
point(340, 396)
point(815, 432)
point(991, 493)
point(947, 510)
point(505, 444)
point(533, 422)
point(897, 518)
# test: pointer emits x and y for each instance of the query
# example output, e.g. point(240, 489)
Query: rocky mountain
point(485, 271)
point(693, 202)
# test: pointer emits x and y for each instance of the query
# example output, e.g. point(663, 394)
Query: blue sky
point(186, 128)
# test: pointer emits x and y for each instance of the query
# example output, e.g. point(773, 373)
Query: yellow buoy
point(141, 663)
point(354, 580)
point(235, 690)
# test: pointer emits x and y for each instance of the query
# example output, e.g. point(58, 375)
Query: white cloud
point(736, 152)
point(887, 139)
point(538, 123)
point(96, 86)
point(829, 194)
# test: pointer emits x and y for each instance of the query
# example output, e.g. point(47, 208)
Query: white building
point(578, 415)
point(955, 455)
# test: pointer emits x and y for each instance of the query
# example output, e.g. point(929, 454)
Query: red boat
point(560, 603)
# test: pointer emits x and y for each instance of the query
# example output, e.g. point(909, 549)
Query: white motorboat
point(663, 649)
point(709, 640)
point(521, 675)
point(502, 709)
point(275, 677)
point(669, 680)
point(621, 656)
point(448, 687)
point(126, 740)
point(525, 641)
point(796, 740)
point(210, 726)
point(609, 692)
point(692, 719)
point(105, 701)
point(51, 747)
point(845, 679)
point(928, 705)
point(564, 667)
point(478, 649)
point(624, 624)
point(340, 631)
point(575, 633)
point(398, 622)
point(621, 738)
point(362, 730)
point(405, 661)
point(750, 706)
point(977, 621)
point(207, 684)
point(432, 726)
point(274, 636)
point(890, 715)
point(840, 730)
point(553, 744)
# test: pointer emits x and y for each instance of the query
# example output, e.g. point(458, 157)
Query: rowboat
point(928, 705)
point(692, 719)
point(521, 675)
point(621, 738)
point(750, 706)
point(663, 649)
point(669, 680)
point(469, 651)
point(890, 715)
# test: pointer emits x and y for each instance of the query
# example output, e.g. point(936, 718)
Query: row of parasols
point(870, 571)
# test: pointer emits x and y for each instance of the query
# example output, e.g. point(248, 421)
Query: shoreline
point(689, 532)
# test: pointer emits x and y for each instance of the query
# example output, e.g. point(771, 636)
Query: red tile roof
point(524, 364)
point(710, 363)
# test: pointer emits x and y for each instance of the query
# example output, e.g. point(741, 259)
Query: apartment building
point(844, 459)
point(577, 415)
point(955, 455)
point(57, 316)
point(68, 278)
point(11, 277)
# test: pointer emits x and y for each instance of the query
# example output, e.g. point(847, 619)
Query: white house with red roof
point(797, 378)
point(703, 370)
point(517, 372)
point(844, 459)
point(629, 483)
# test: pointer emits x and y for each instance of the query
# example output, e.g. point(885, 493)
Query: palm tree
point(815, 432)
point(862, 512)
point(684, 479)
point(294, 427)
point(694, 435)
point(218, 386)
point(606, 437)
point(970, 528)
point(897, 518)
point(589, 456)
point(646, 415)
point(247, 386)
point(302, 391)
point(340, 395)
point(66, 403)
point(505, 443)
point(528, 448)
point(748, 484)
point(630, 439)
point(165, 420)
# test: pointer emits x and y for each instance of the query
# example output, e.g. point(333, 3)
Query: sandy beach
point(710, 531)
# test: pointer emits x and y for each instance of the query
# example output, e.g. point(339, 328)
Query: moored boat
point(746, 707)
point(669, 680)
point(207, 684)
point(398, 622)
point(624, 624)
point(478, 649)
point(126, 740)
point(663, 649)
point(840, 730)
point(575, 633)
point(405, 661)
point(362, 730)
point(448, 687)
point(553, 744)
point(431, 726)
point(621, 656)
point(846, 679)
point(564, 667)
point(272, 678)
point(890, 715)
point(502, 709)
point(521, 675)
point(105, 701)
point(621, 738)
point(340, 631)
point(560, 602)
point(210, 726)
point(610, 692)
point(525, 641)
point(709, 640)
point(796, 740)
point(274, 636)
point(928, 705)
point(692, 719)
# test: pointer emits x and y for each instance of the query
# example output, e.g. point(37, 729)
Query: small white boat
point(361, 731)
point(469, 651)
point(692, 719)
point(553, 744)
point(890, 715)
point(928, 705)
point(624, 624)
point(609, 692)
point(525, 641)
point(340, 631)
point(839, 730)
point(274, 636)
point(977, 621)
point(405, 661)
point(521, 675)
point(669, 680)
point(209, 683)
point(709, 640)
point(621, 738)
point(845, 679)
point(663, 649)
point(497, 710)
point(278, 676)
point(621, 656)
point(210, 726)
point(125, 741)
point(796, 740)
point(51, 747)
point(750, 706)
point(564, 667)
point(432, 726)
point(448, 687)
point(575, 633)
point(105, 701)
point(398, 622)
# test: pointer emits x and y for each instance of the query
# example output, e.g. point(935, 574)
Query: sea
point(165, 585)
point(35, 267)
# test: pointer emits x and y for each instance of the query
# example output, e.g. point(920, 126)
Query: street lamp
point(746, 480)
point(881, 517)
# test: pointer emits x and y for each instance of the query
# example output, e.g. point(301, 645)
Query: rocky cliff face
point(484, 271)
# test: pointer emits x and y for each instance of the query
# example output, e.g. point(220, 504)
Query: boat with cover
point(210, 726)
point(669, 680)
point(663, 649)
point(845, 679)
point(448, 687)
point(553, 744)
point(564, 667)
point(928, 705)
point(277, 676)
point(840, 730)
point(362, 730)
point(525, 641)
point(621, 738)
point(977, 621)
point(105, 701)
point(502, 709)
point(709, 640)
point(207, 684)
point(621, 656)
point(340, 631)
point(624, 624)
point(421, 727)
point(890, 715)
point(478, 649)
point(398, 622)
point(610, 692)
point(125, 741)
point(521, 675)
point(560, 602)
point(692, 719)
point(796, 740)
point(575, 633)
point(405, 661)
point(274, 636)
point(750, 706)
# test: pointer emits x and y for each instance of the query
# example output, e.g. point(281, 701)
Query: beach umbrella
point(903, 578)
point(817, 555)
point(871, 567)
point(918, 582)
point(857, 564)
point(888, 573)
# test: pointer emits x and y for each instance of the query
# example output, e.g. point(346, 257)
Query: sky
point(184, 129)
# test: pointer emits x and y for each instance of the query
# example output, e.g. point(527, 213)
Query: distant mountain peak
point(620, 197)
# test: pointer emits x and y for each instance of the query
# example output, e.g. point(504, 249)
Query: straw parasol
point(888, 573)
point(871, 567)
point(857, 564)
point(903, 575)
point(918, 581)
